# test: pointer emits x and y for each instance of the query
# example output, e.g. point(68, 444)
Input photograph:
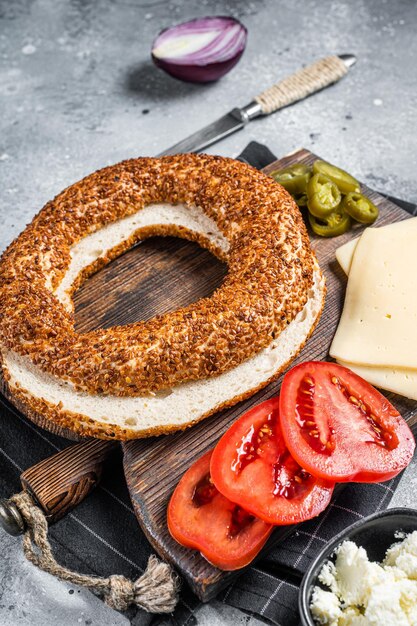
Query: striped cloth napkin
point(102, 535)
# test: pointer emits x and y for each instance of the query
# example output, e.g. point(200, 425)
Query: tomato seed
point(305, 416)
point(381, 437)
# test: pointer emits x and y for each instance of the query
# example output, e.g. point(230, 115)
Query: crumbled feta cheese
point(327, 576)
point(325, 607)
point(352, 568)
point(364, 593)
point(404, 555)
point(351, 616)
point(390, 603)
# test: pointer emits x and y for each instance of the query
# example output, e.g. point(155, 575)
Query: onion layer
point(201, 50)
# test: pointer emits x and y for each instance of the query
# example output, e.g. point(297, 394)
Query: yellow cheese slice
point(344, 255)
point(378, 326)
point(401, 381)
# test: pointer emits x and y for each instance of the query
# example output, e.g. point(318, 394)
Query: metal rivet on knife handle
point(305, 82)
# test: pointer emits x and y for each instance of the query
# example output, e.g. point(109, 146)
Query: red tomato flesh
point(337, 426)
point(202, 518)
point(252, 466)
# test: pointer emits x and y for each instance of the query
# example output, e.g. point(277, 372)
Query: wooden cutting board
point(162, 274)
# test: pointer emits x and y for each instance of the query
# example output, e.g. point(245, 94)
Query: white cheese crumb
point(390, 603)
point(400, 534)
point(325, 607)
point(351, 616)
point(327, 576)
point(364, 593)
point(352, 568)
point(404, 556)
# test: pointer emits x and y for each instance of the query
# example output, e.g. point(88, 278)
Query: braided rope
point(156, 591)
point(301, 84)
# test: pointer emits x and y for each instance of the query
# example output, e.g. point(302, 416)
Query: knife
point(291, 89)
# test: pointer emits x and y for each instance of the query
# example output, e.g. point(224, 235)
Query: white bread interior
point(184, 403)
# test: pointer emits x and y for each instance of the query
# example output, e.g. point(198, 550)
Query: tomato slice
point(337, 426)
point(202, 518)
point(252, 466)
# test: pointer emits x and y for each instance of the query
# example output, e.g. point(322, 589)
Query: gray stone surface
point(78, 92)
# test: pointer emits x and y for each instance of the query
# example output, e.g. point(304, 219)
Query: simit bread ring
point(164, 374)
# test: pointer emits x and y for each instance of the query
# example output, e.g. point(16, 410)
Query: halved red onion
point(201, 50)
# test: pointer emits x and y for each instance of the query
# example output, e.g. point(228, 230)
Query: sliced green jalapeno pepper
point(361, 208)
point(302, 200)
point(345, 182)
point(293, 178)
point(323, 195)
point(334, 224)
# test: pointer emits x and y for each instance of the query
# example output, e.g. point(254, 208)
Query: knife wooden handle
point(303, 83)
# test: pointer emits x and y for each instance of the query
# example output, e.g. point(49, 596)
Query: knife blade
point(291, 89)
point(221, 128)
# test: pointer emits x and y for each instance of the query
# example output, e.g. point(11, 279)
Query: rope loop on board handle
point(155, 591)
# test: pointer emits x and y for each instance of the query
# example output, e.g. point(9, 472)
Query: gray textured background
point(78, 92)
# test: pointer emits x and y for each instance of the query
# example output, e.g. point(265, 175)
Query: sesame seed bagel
point(149, 377)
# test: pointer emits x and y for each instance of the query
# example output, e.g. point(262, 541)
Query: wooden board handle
point(62, 481)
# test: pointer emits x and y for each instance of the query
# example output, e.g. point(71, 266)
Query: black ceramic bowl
point(375, 533)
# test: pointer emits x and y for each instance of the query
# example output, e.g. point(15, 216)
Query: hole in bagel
point(160, 275)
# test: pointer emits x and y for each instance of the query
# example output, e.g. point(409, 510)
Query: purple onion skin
point(201, 72)
point(198, 73)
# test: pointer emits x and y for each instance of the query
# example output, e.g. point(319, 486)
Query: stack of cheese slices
point(377, 333)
